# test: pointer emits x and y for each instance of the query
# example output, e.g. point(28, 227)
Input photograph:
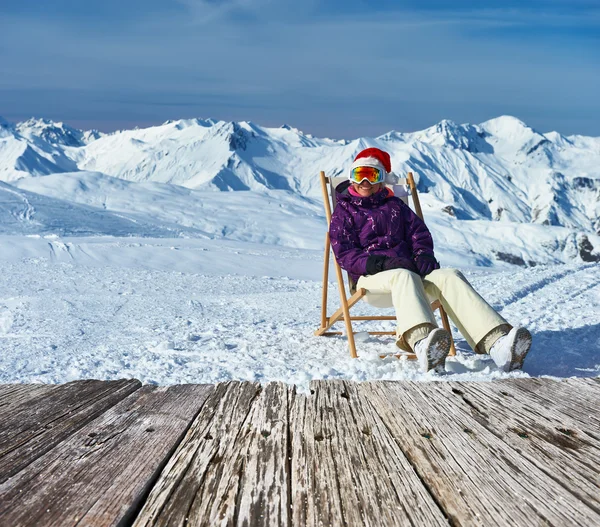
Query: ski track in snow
point(63, 320)
point(28, 210)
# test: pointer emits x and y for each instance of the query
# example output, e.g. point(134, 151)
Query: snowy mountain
point(497, 191)
point(36, 148)
point(64, 203)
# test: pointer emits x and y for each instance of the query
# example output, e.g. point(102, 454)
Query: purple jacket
point(380, 224)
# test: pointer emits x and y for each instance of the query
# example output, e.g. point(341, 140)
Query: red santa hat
point(373, 157)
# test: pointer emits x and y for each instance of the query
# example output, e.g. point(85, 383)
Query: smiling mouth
point(365, 187)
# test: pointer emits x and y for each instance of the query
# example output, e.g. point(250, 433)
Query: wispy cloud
point(261, 11)
point(205, 11)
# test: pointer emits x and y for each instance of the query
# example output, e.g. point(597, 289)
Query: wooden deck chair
point(403, 188)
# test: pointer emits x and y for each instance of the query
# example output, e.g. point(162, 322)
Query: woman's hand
point(399, 263)
point(426, 263)
point(377, 263)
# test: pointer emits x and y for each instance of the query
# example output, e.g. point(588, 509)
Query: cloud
point(205, 11)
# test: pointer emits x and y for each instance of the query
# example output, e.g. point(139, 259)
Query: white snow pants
point(411, 296)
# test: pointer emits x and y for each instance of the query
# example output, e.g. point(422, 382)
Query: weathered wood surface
point(519, 451)
point(231, 466)
point(468, 468)
point(13, 395)
point(99, 475)
point(569, 398)
point(548, 439)
point(347, 468)
point(40, 423)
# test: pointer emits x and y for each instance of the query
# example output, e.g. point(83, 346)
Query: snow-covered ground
point(173, 311)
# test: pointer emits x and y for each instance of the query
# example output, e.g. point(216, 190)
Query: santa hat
point(374, 157)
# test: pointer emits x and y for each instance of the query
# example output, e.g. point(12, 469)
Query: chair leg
point(346, 311)
point(325, 282)
point(351, 343)
point(339, 314)
point(446, 324)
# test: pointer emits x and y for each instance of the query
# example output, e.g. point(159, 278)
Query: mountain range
point(494, 192)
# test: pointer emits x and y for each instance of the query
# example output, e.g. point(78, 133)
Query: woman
point(388, 250)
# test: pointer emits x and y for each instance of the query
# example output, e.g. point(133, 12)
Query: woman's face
point(365, 189)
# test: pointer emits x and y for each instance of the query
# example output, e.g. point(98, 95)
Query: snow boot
point(509, 351)
point(433, 349)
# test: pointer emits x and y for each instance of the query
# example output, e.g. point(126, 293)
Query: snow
point(84, 203)
point(171, 311)
point(120, 256)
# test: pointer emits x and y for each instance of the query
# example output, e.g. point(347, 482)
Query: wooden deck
point(514, 452)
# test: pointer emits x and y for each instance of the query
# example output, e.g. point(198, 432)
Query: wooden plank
point(14, 395)
point(264, 488)
point(586, 388)
point(204, 482)
point(314, 488)
point(47, 419)
point(7, 388)
point(590, 381)
point(589, 384)
point(562, 397)
point(533, 405)
point(535, 432)
point(346, 467)
point(475, 477)
point(576, 391)
point(102, 472)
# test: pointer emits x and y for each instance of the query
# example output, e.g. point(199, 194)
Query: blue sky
point(337, 68)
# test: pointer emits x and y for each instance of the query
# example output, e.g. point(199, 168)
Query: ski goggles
point(371, 174)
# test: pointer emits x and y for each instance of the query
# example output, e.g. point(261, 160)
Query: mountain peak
point(506, 125)
point(180, 124)
point(447, 124)
point(41, 123)
point(515, 135)
point(51, 132)
point(507, 120)
point(294, 130)
point(447, 133)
